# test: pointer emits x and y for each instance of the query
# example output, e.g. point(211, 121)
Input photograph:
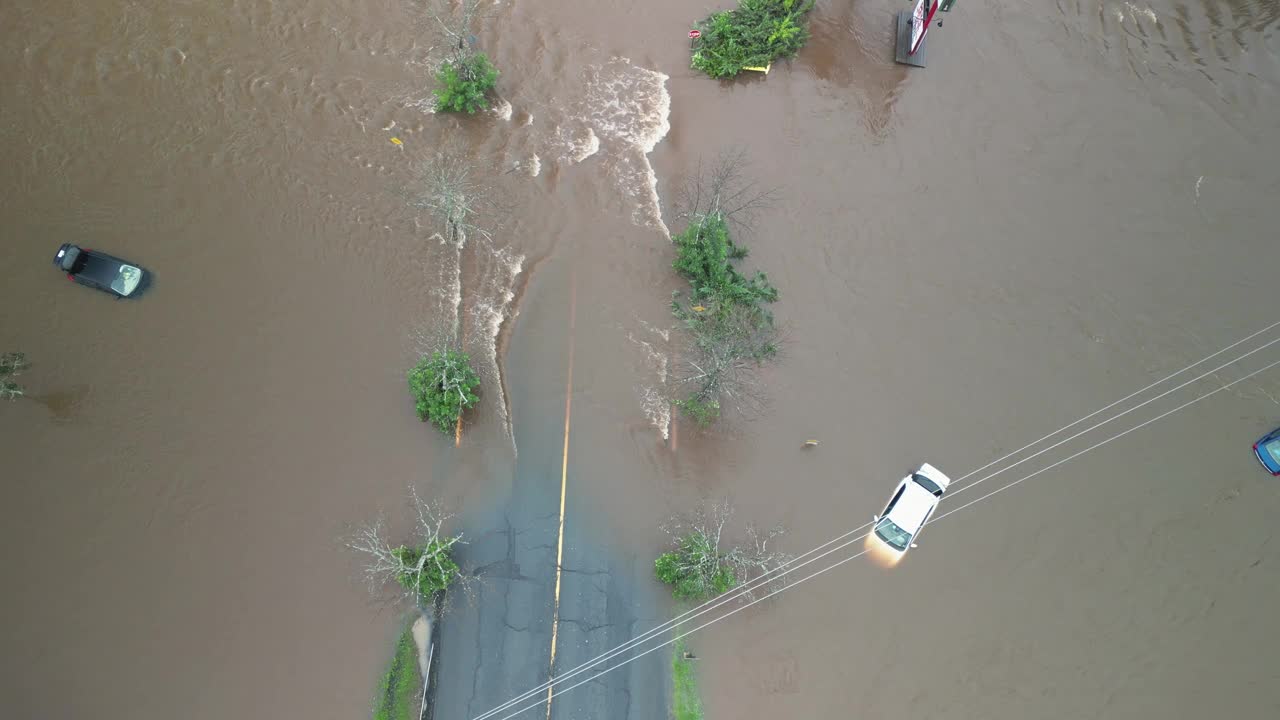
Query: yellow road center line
point(564, 482)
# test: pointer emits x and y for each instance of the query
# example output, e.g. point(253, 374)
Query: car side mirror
point(875, 518)
point(914, 545)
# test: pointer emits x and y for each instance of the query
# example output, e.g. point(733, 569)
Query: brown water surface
point(1072, 200)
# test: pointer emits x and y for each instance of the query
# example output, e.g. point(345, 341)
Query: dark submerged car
point(99, 270)
point(1268, 451)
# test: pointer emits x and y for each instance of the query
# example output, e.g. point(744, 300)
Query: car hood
point(910, 511)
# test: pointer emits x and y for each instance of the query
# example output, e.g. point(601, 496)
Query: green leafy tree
point(465, 83)
point(466, 77)
point(12, 364)
point(728, 329)
point(443, 385)
point(705, 255)
point(753, 35)
point(426, 569)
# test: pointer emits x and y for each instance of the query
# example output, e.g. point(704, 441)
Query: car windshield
point(127, 281)
point(895, 536)
point(1273, 448)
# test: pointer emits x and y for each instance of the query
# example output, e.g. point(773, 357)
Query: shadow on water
point(852, 51)
point(63, 404)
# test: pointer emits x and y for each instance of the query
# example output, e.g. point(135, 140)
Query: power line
point(775, 573)
point(864, 552)
point(1126, 397)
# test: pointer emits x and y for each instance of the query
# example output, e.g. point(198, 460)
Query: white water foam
point(502, 109)
point(447, 288)
point(576, 145)
point(623, 116)
point(664, 333)
point(535, 165)
point(629, 108)
point(497, 270)
point(657, 409)
point(653, 396)
point(1146, 12)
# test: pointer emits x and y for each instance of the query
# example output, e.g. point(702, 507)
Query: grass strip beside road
point(400, 690)
point(685, 701)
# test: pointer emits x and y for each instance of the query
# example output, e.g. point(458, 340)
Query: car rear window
point(927, 484)
point(1273, 447)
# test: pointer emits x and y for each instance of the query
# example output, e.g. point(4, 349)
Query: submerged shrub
point(465, 84)
point(443, 385)
point(754, 35)
point(695, 570)
point(704, 256)
point(726, 316)
point(428, 569)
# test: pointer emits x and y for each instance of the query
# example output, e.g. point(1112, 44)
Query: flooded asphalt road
point(496, 641)
point(1071, 201)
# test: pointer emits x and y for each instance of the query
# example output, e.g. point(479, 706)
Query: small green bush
point(11, 365)
point(443, 385)
point(438, 568)
point(705, 255)
point(702, 411)
point(754, 35)
point(695, 570)
point(465, 84)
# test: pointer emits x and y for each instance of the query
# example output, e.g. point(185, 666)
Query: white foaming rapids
point(586, 148)
point(495, 283)
point(628, 110)
point(447, 288)
point(576, 147)
point(653, 399)
point(657, 410)
point(535, 166)
point(502, 109)
point(1146, 12)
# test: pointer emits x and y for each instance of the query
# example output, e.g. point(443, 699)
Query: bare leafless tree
point(759, 557)
point(412, 569)
point(722, 190)
point(719, 358)
point(456, 20)
point(456, 199)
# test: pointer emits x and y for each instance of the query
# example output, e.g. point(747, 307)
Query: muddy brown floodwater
point(1073, 200)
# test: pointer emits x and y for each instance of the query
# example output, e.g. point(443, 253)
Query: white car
point(910, 507)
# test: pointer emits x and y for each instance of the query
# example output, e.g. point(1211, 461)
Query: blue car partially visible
point(1268, 451)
